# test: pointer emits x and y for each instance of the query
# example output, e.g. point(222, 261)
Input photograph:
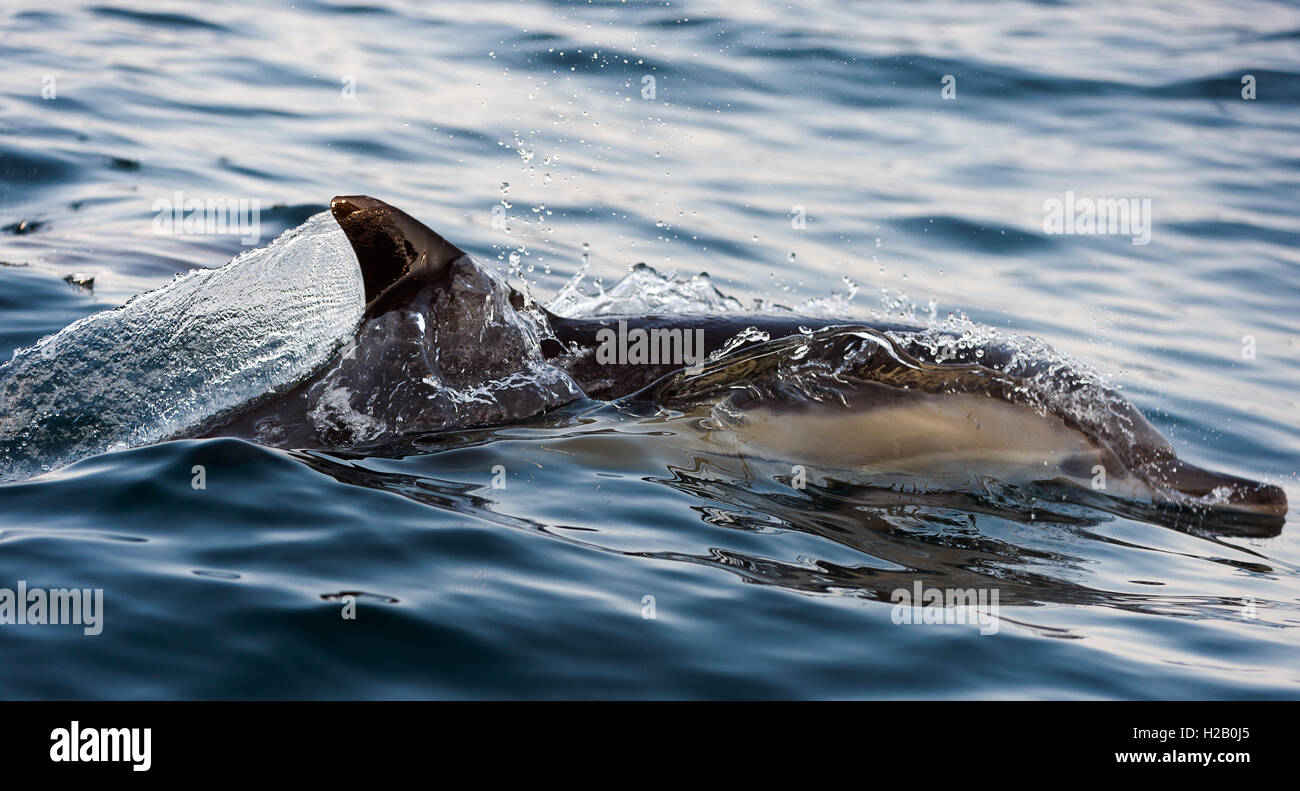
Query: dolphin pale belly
point(437, 342)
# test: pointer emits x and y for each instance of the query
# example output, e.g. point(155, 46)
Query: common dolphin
point(836, 393)
point(444, 343)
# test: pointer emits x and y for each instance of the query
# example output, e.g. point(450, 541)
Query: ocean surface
point(890, 159)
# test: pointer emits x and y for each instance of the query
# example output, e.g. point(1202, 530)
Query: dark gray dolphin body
point(446, 344)
point(438, 326)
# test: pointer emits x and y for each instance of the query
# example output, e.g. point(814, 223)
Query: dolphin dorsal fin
point(391, 246)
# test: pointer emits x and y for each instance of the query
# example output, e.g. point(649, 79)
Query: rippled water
point(467, 114)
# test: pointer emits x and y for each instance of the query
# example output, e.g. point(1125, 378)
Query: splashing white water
point(206, 343)
point(643, 290)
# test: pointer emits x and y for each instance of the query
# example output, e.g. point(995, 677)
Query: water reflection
point(1035, 544)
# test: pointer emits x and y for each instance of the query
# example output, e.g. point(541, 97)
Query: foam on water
point(208, 342)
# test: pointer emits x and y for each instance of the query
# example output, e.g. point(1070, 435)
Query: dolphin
point(838, 394)
point(443, 343)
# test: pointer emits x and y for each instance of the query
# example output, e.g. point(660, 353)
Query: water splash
point(208, 342)
point(642, 290)
point(645, 290)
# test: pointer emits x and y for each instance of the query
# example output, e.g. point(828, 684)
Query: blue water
point(832, 111)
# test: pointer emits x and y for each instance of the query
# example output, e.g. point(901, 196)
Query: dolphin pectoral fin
point(395, 250)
